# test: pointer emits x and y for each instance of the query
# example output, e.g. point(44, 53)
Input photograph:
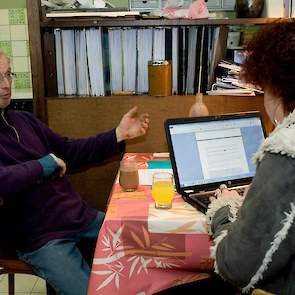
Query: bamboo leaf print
point(161, 248)
point(117, 281)
point(146, 237)
point(116, 236)
point(137, 240)
point(168, 246)
point(134, 263)
point(102, 272)
point(107, 281)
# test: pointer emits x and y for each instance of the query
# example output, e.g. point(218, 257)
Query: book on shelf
point(174, 60)
point(191, 64)
point(68, 55)
point(95, 61)
point(115, 55)
point(59, 62)
point(145, 52)
point(101, 12)
point(82, 63)
point(102, 61)
point(129, 59)
point(287, 8)
point(158, 44)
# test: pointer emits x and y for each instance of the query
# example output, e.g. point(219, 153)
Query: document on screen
point(222, 156)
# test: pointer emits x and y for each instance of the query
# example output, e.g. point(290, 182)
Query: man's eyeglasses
point(9, 76)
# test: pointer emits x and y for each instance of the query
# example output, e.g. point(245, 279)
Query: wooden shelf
point(134, 22)
point(144, 97)
point(42, 43)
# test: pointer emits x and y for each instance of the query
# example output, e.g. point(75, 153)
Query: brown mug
point(128, 177)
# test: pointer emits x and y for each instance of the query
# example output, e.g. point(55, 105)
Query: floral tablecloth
point(142, 250)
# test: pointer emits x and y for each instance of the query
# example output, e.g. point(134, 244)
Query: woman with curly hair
point(254, 235)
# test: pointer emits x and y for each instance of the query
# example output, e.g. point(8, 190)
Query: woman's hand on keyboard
point(223, 191)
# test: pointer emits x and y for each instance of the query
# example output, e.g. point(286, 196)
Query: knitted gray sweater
point(254, 238)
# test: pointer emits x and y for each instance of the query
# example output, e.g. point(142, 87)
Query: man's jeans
point(62, 263)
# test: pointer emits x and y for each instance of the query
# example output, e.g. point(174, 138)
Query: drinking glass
point(163, 190)
point(128, 177)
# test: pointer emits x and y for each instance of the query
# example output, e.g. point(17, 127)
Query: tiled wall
point(14, 42)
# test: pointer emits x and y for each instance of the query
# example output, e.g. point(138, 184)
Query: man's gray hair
point(3, 54)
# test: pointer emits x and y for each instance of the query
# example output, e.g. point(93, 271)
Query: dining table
point(142, 250)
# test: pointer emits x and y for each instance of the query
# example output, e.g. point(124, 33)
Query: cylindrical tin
point(160, 78)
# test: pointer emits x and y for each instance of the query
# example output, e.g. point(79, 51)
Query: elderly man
point(47, 217)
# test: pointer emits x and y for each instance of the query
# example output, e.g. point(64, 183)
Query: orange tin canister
point(160, 78)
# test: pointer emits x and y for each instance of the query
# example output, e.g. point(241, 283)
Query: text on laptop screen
point(208, 152)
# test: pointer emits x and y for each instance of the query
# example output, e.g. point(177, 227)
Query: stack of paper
point(230, 84)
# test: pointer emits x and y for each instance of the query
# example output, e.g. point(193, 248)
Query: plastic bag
point(174, 9)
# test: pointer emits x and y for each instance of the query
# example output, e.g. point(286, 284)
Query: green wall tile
point(4, 4)
point(5, 46)
point(16, 16)
point(23, 80)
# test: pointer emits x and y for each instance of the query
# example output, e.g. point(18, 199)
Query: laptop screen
point(215, 151)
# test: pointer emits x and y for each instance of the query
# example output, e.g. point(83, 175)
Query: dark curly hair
point(270, 61)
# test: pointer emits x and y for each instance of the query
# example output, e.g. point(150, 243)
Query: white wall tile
point(19, 48)
point(4, 20)
point(20, 94)
point(18, 32)
point(27, 32)
point(29, 64)
point(26, 17)
point(4, 33)
point(20, 64)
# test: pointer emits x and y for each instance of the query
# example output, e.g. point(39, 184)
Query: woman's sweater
point(254, 238)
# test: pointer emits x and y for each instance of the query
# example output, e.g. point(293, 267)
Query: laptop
point(208, 151)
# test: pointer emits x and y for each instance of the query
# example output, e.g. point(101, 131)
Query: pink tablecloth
point(142, 250)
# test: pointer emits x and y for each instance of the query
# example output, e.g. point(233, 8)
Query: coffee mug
point(128, 177)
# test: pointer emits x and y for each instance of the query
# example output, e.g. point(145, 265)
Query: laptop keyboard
point(239, 189)
point(201, 200)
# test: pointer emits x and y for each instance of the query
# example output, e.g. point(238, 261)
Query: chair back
point(261, 292)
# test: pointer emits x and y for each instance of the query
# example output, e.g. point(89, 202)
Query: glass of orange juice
point(163, 190)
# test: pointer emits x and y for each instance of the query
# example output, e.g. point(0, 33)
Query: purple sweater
point(39, 209)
